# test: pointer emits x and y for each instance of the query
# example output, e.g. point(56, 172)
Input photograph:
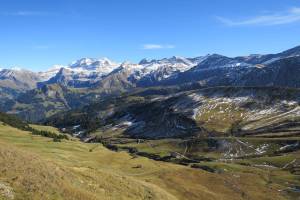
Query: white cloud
point(157, 46)
point(290, 16)
point(27, 13)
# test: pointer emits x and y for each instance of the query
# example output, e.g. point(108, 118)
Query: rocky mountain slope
point(255, 70)
point(14, 82)
point(18, 79)
point(214, 111)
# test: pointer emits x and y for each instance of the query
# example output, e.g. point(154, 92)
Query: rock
point(6, 191)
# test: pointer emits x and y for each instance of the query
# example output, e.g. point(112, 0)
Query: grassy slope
point(37, 168)
point(45, 128)
point(237, 167)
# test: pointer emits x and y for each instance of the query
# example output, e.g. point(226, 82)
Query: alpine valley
point(209, 127)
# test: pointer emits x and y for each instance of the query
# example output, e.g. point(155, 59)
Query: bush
point(48, 134)
point(56, 140)
point(13, 121)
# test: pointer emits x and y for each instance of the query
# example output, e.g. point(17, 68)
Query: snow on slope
point(45, 76)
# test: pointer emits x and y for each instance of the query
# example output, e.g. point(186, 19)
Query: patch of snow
point(289, 103)
point(265, 166)
point(288, 146)
point(127, 123)
point(271, 61)
point(180, 126)
point(262, 149)
point(76, 127)
point(79, 133)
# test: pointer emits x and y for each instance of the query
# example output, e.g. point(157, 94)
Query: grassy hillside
point(50, 132)
point(34, 167)
point(13, 121)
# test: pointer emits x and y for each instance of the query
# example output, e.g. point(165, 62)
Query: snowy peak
point(82, 62)
point(81, 70)
point(64, 71)
point(178, 59)
point(93, 64)
point(173, 60)
point(45, 76)
point(89, 66)
point(174, 63)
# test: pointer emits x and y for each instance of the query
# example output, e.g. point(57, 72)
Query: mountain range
point(35, 96)
point(88, 72)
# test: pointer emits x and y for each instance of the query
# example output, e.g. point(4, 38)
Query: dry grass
point(37, 168)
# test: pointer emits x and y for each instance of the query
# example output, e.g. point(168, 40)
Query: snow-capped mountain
point(210, 70)
point(103, 65)
point(88, 71)
point(85, 66)
point(45, 76)
point(175, 63)
point(253, 70)
point(80, 73)
point(151, 72)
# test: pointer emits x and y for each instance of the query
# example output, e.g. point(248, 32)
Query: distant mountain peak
point(82, 61)
point(210, 69)
point(91, 63)
point(145, 61)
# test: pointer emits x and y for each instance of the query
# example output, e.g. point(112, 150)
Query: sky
point(36, 34)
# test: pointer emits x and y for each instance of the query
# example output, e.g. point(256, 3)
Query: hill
point(34, 167)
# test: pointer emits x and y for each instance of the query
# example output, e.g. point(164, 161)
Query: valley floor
point(34, 167)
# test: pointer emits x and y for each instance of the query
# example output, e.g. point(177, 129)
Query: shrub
point(56, 140)
point(13, 121)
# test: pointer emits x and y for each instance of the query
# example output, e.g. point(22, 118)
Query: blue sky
point(36, 34)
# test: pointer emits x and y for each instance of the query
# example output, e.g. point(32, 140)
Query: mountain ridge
point(87, 71)
point(90, 80)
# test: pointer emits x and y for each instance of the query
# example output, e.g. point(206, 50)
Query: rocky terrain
point(217, 111)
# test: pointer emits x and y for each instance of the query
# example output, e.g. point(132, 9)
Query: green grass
point(221, 117)
point(246, 167)
point(277, 161)
point(159, 147)
point(45, 128)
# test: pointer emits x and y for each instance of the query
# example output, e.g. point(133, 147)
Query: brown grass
point(37, 168)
